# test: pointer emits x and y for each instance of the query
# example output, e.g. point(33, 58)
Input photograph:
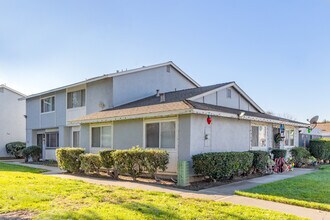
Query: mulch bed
point(195, 186)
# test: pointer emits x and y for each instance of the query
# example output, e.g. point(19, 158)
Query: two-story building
point(154, 107)
point(49, 112)
point(12, 117)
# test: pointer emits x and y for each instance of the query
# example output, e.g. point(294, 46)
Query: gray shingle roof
point(174, 96)
point(184, 95)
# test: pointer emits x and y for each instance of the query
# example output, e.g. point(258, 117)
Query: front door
point(41, 142)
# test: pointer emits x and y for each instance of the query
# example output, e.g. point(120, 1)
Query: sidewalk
point(221, 193)
point(230, 189)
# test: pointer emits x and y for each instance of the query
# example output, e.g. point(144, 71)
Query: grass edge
point(305, 204)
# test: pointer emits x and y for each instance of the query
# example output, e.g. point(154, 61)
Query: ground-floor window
point(102, 136)
point(75, 138)
point(52, 139)
point(160, 134)
point(258, 136)
point(289, 137)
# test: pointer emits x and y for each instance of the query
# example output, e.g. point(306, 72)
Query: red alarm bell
point(209, 119)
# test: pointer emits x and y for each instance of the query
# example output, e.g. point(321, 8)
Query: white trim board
point(189, 111)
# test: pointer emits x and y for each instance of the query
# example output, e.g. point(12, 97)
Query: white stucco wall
point(12, 119)
point(224, 135)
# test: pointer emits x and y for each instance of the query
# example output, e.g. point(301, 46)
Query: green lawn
point(310, 190)
point(55, 198)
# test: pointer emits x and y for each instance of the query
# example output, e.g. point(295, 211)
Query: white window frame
point(288, 130)
point(100, 126)
point(43, 98)
point(57, 139)
point(267, 136)
point(72, 91)
point(151, 121)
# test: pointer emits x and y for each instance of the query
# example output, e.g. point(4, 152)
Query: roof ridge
point(218, 84)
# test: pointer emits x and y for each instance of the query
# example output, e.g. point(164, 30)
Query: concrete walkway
point(230, 189)
point(221, 193)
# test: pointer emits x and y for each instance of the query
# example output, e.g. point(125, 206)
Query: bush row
point(33, 151)
point(260, 161)
point(320, 148)
point(132, 162)
point(222, 165)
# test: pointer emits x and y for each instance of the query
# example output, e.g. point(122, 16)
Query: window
point(76, 99)
point(75, 139)
point(48, 104)
point(52, 139)
point(228, 93)
point(289, 137)
point(102, 136)
point(259, 136)
point(160, 135)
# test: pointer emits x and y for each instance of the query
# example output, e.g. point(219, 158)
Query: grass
point(55, 198)
point(309, 190)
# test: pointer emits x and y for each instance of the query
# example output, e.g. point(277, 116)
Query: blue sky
point(277, 51)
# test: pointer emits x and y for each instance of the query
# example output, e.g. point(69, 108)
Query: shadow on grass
point(5, 167)
point(151, 211)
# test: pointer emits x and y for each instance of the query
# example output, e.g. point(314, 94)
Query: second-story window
point(48, 104)
point(76, 99)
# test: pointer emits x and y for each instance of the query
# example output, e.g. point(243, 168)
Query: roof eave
point(250, 118)
point(131, 117)
point(13, 90)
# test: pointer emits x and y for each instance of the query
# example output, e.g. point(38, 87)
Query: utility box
point(183, 173)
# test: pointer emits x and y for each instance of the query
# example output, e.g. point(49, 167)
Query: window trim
point(159, 120)
point(267, 136)
point(57, 139)
point(289, 129)
point(76, 90)
point(47, 98)
point(100, 126)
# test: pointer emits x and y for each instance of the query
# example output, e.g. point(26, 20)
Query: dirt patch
point(18, 215)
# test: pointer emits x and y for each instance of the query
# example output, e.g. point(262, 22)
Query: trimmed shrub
point(260, 161)
point(129, 161)
point(278, 153)
point(68, 159)
point(222, 165)
point(299, 156)
point(15, 149)
point(320, 148)
point(155, 160)
point(90, 163)
point(108, 162)
point(33, 151)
